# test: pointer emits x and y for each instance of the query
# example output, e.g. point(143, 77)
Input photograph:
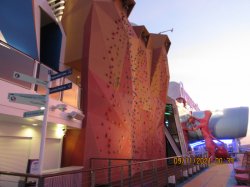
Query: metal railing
point(95, 163)
point(12, 59)
point(157, 172)
point(68, 178)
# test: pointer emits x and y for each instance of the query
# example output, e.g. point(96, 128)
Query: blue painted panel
point(17, 25)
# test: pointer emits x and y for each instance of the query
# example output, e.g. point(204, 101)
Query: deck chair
point(245, 165)
point(242, 173)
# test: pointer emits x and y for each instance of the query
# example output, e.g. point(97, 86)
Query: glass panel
point(71, 96)
point(12, 60)
point(43, 75)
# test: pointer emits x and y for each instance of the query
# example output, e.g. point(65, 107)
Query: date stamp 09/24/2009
point(200, 160)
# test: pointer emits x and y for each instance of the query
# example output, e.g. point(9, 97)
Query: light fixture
point(60, 125)
point(78, 80)
point(28, 132)
point(42, 108)
point(61, 107)
point(60, 130)
point(76, 115)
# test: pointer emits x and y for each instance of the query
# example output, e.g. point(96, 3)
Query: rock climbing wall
point(126, 80)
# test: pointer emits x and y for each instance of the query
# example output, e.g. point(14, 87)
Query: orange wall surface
point(124, 84)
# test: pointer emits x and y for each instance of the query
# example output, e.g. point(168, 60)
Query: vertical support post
point(109, 172)
point(154, 173)
point(92, 178)
point(122, 173)
point(236, 147)
point(166, 173)
point(141, 171)
point(183, 167)
point(190, 166)
point(40, 182)
point(44, 125)
point(129, 174)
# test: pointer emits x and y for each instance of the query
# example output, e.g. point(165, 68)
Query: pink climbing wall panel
point(127, 81)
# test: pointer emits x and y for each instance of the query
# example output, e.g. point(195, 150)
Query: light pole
point(166, 31)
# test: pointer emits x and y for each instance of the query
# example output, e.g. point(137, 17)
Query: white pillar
point(44, 126)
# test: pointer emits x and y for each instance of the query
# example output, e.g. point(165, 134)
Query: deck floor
point(217, 175)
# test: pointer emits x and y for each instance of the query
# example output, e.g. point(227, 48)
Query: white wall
point(14, 153)
point(11, 131)
point(20, 142)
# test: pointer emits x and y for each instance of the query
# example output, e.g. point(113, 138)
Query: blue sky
point(210, 50)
